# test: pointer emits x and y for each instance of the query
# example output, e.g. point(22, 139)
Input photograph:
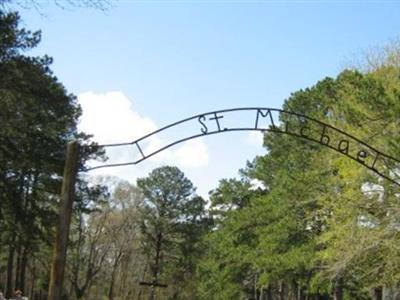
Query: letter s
point(201, 119)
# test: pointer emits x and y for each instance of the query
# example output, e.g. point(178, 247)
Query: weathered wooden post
point(62, 231)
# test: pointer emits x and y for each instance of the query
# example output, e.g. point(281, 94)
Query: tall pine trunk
point(18, 266)
point(24, 264)
point(378, 293)
point(32, 282)
point(338, 289)
point(10, 267)
point(113, 273)
point(269, 293)
point(300, 293)
point(281, 292)
point(156, 267)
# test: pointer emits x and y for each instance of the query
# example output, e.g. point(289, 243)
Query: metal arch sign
point(273, 120)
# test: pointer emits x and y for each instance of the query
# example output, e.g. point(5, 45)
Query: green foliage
point(38, 118)
point(324, 223)
point(172, 223)
point(323, 227)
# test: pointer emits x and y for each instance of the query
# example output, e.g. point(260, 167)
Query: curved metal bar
point(384, 165)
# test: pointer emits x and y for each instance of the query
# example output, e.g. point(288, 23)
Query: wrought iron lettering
point(346, 145)
point(375, 160)
point(295, 124)
point(325, 139)
point(216, 118)
point(287, 127)
point(305, 131)
point(264, 115)
point(361, 155)
point(201, 120)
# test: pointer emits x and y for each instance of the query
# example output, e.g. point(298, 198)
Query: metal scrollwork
point(278, 121)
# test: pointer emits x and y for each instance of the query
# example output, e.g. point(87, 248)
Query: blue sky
point(162, 61)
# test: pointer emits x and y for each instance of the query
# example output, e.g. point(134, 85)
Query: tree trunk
point(18, 266)
point(156, 267)
point(24, 263)
point(338, 289)
point(255, 287)
point(124, 273)
point(32, 288)
point(79, 293)
point(111, 289)
point(378, 293)
point(300, 293)
point(114, 271)
point(140, 291)
point(269, 293)
point(281, 290)
point(10, 267)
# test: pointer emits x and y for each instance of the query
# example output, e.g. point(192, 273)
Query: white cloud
point(110, 117)
point(257, 184)
point(255, 138)
point(193, 153)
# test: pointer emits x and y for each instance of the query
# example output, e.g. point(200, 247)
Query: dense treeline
point(324, 227)
point(38, 118)
point(120, 235)
point(317, 225)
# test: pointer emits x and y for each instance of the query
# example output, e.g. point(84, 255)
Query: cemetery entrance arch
point(236, 119)
point(265, 119)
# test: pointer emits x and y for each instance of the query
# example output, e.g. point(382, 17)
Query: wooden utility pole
point(62, 231)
